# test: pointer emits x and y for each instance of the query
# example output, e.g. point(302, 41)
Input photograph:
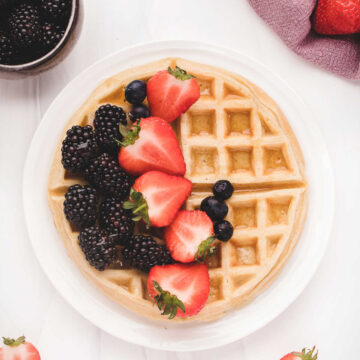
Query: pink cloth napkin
point(291, 21)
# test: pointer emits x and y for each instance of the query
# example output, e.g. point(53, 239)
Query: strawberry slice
point(171, 92)
point(179, 289)
point(151, 144)
point(156, 197)
point(18, 349)
point(190, 236)
point(304, 355)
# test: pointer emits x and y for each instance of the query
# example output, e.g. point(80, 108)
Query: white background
point(328, 311)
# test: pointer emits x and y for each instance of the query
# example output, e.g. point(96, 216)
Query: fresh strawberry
point(190, 236)
point(179, 289)
point(18, 349)
point(304, 355)
point(171, 92)
point(149, 145)
point(336, 17)
point(156, 197)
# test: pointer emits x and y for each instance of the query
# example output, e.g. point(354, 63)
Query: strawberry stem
point(206, 248)
point(307, 354)
point(129, 132)
point(138, 205)
point(12, 342)
point(180, 74)
point(167, 302)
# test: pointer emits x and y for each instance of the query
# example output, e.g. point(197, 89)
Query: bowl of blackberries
point(36, 34)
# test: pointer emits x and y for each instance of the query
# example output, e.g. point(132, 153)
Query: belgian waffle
point(234, 132)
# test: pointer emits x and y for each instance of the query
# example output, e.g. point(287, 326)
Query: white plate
point(111, 317)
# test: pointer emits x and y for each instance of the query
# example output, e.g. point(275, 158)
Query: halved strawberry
point(18, 349)
point(179, 289)
point(156, 197)
point(151, 144)
point(190, 236)
point(171, 92)
point(304, 355)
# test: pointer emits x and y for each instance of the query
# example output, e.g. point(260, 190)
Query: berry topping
point(18, 349)
point(151, 145)
point(223, 189)
point(80, 205)
point(171, 92)
point(179, 289)
point(190, 236)
point(115, 219)
point(24, 25)
point(105, 174)
point(138, 112)
point(135, 92)
point(106, 125)
point(78, 148)
point(98, 247)
point(143, 253)
point(223, 230)
point(157, 197)
point(215, 209)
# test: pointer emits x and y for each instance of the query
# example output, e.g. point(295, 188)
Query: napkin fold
point(291, 20)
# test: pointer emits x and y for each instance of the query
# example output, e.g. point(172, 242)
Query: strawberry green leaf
point(139, 207)
point(12, 342)
point(129, 132)
point(307, 354)
point(180, 74)
point(206, 248)
point(167, 302)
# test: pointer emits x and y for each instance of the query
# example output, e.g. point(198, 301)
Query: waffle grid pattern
point(229, 133)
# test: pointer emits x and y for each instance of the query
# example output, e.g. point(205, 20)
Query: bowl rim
point(75, 6)
point(120, 322)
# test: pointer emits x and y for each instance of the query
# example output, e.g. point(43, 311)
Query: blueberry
point(223, 230)
point(140, 111)
point(223, 189)
point(135, 92)
point(215, 209)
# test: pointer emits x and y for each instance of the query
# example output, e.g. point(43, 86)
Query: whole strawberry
point(305, 354)
point(18, 349)
point(337, 17)
point(171, 92)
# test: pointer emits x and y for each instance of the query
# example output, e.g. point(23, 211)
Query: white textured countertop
point(328, 311)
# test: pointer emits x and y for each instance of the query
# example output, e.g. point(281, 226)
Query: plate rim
point(164, 45)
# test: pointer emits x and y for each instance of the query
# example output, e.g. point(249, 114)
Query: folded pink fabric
point(291, 21)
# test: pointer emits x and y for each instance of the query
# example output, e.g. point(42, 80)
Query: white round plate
point(113, 318)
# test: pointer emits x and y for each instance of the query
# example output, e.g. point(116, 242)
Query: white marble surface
point(328, 311)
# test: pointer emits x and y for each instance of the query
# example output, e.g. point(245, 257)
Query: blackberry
point(106, 125)
point(24, 25)
point(51, 35)
point(143, 252)
point(78, 147)
point(106, 175)
point(115, 219)
point(7, 50)
point(98, 247)
point(80, 205)
point(57, 9)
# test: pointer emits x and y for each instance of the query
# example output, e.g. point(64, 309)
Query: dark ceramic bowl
point(54, 56)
